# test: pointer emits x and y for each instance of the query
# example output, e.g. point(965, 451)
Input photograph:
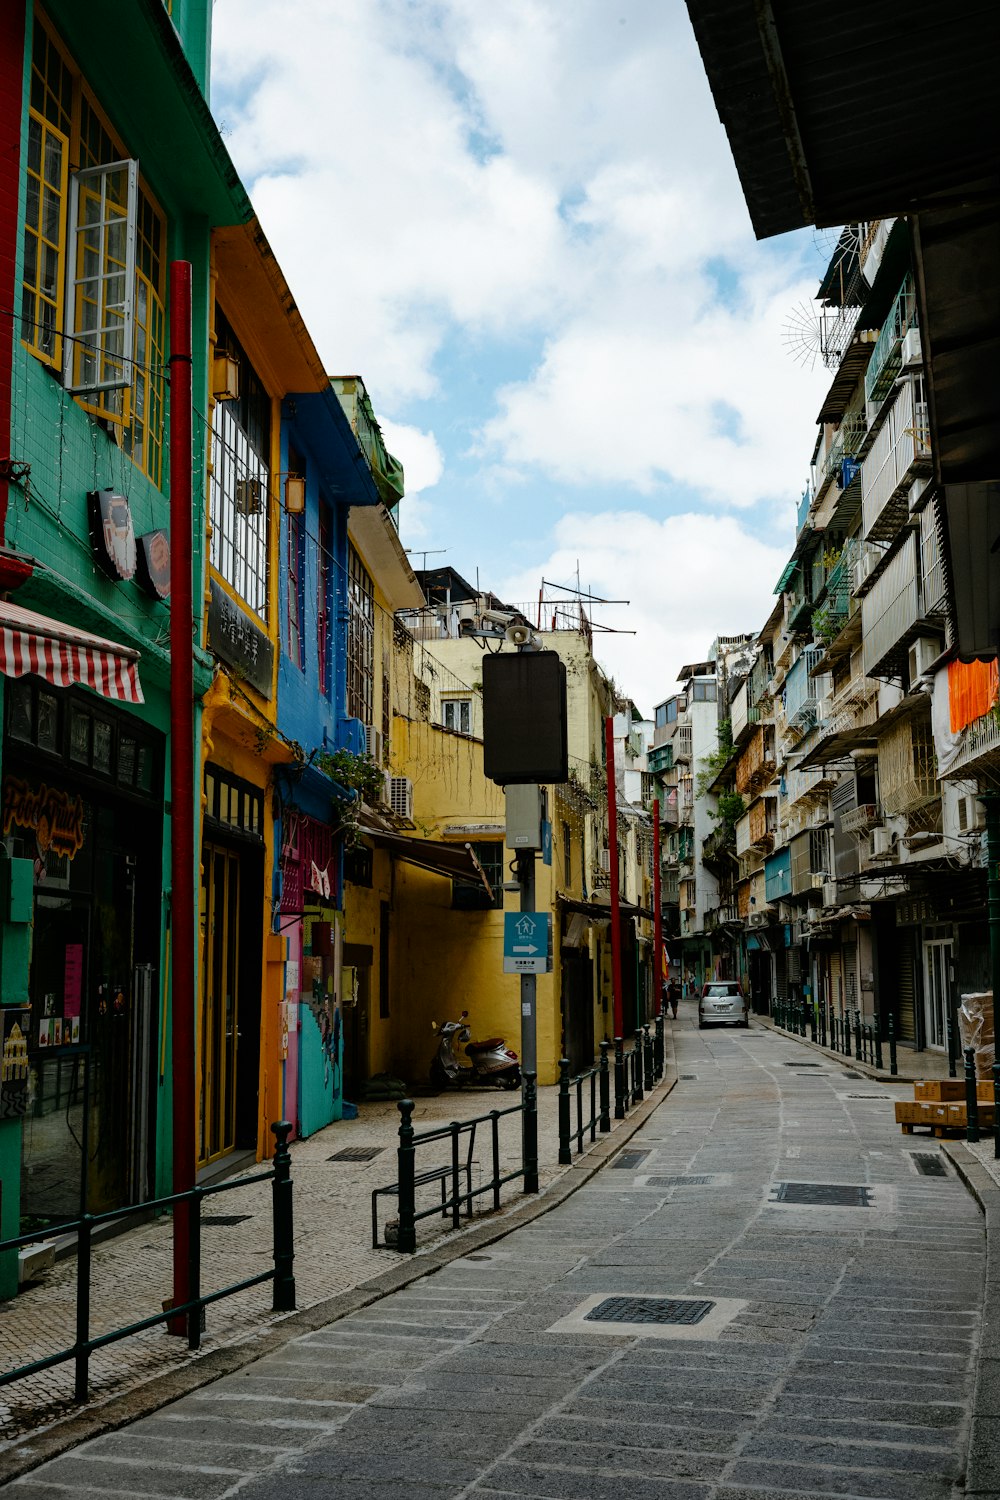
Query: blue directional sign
point(527, 942)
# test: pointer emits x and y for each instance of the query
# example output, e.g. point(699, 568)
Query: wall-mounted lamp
point(295, 494)
point(225, 378)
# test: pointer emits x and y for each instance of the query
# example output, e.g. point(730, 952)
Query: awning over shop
point(455, 860)
point(600, 907)
point(63, 656)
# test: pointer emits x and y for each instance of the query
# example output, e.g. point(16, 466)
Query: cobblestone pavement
point(836, 1357)
point(333, 1253)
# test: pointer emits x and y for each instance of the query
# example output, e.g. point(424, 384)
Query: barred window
point(239, 492)
point(360, 639)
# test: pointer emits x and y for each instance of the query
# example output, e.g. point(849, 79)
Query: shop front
point(82, 798)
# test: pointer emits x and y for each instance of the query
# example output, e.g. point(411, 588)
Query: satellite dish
point(802, 334)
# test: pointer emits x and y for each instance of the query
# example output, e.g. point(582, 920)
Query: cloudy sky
point(519, 221)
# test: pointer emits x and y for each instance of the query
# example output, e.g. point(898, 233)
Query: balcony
point(861, 819)
point(803, 509)
point(890, 611)
point(660, 759)
point(718, 845)
point(682, 743)
point(800, 695)
point(762, 823)
point(900, 454)
point(887, 359)
point(907, 766)
point(738, 712)
point(798, 611)
point(756, 765)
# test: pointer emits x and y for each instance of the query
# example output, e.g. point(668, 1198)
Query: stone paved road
point(836, 1360)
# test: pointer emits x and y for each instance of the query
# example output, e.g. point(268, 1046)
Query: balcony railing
point(763, 823)
point(803, 510)
point(756, 765)
point(861, 819)
point(907, 766)
point(886, 360)
point(800, 689)
point(979, 747)
point(890, 609)
point(660, 759)
point(900, 453)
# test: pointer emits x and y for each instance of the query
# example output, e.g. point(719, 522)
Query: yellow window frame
point(42, 304)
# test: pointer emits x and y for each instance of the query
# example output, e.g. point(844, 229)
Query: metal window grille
point(294, 586)
point(360, 639)
point(323, 601)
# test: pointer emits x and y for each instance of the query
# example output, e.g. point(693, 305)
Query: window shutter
point(100, 288)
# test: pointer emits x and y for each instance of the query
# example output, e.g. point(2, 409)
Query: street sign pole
point(529, 1045)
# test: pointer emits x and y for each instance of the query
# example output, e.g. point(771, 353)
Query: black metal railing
point(844, 1032)
point(187, 1315)
point(450, 1174)
point(635, 1074)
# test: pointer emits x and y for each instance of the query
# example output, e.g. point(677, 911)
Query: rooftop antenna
point(425, 553)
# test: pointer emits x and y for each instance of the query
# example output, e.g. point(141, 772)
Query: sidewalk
point(912, 1066)
point(131, 1273)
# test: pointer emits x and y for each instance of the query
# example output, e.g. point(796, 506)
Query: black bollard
point(878, 1041)
point(637, 1093)
point(893, 1069)
point(952, 1049)
point(604, 1079)
point(565, 1155)
point(406, 1239)
point(647, 1058)
point(621, 1090)
point(971, 1098)
point(996, 1110)
point(659, 1062)
point(529, 1133)
point(857, 1036)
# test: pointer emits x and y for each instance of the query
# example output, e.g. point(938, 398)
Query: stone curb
point(868, 1069)
point(982, 1476)
point(118, 1411)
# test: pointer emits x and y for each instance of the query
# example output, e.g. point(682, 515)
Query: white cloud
point(423, 465)
point(688, 579)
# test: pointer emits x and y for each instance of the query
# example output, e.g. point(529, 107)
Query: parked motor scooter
point(491, 1061)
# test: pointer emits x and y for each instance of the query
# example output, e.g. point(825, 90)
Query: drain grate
point(629, 1160)
point(822, 1194)
point(648, 1310)
point(691, 1077)
point(678, 1181)
point(854, 1075)
point(221, 1221)
point(929, 1163)
point(357, 1153)
point(866, 1096)
point(801, 1065)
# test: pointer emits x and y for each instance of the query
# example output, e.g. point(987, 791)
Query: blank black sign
point(524, 718)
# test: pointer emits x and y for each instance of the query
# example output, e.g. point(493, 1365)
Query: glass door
point(937, 991)
point(218, 1034)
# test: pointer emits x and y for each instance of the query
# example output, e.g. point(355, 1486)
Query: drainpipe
point(182, 772)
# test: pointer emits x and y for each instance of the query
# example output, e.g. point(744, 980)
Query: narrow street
point(836, 1357)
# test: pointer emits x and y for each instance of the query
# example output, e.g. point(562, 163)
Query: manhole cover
point(629, 1160)
point(677, 1181)
point(866, 1096)
point(801, 1065)
point(357, 1153)
point(648, 1310)
point(822, 1194)
point(691, 1077)
point(220, 1221)
point(929, 1163)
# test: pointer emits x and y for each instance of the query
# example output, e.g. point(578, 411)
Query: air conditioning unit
point(387, 789)
point(401, 797)
point(373, 742)
point(248, 497)
point(911, 352)
point(883, 843)
point(830, 893)
point(757, 919)
point(822, 710)
point(924, 650)
point(860, 573)
point(605, 861)
point(466, 613)
point(818, 882)
point(917, 491)
point(971, 814)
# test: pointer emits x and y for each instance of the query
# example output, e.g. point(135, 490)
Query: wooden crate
point(940, 1090)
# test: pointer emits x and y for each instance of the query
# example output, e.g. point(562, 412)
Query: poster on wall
point(15, 1021)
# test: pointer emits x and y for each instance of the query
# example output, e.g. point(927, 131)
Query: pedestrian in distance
point(673, 995)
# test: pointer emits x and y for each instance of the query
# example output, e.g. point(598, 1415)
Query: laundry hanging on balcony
point(64, 656)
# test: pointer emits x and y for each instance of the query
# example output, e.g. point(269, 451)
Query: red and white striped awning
point(64, 656)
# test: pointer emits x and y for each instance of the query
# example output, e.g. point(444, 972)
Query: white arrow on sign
point(525, 948)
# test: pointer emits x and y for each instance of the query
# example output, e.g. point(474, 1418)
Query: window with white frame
point(456, 714)
point(360, 639)
point(239, 491)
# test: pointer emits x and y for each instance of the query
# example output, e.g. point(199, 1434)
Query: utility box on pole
point(524, 816)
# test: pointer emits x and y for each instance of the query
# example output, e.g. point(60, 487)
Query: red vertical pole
point(657, 913)
point(616, 932)
point(182, 913)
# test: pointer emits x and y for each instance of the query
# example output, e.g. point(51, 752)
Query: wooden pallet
point(940, 1118)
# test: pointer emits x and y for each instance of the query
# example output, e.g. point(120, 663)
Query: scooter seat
point(487, 1046)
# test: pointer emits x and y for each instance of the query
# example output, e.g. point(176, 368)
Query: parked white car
point(723, 1003)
